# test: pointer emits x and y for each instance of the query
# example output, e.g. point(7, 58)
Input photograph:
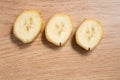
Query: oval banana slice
point(59, 29)
point(89, 34)
point(27, 25)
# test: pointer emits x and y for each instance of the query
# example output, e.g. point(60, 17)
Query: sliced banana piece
point(59, 29)
point(89, 34)
point(27, 25)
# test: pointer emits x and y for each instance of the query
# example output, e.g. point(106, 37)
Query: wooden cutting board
point(41, 60)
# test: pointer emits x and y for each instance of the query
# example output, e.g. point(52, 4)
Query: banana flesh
point(27, 26)
point(58, 29)
point(89, 34)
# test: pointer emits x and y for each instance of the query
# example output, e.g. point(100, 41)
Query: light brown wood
point(43, 61)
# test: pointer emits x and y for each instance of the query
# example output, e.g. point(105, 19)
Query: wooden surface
point(44, 61)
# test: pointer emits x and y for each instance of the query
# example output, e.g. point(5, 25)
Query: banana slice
point(59, 29)
point(27, 25)
point(89, 34)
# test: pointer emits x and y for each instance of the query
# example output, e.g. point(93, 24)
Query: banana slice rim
point(41, 25)
point(102, 33)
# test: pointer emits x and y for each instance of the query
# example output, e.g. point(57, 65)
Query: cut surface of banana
point(27, 25)
point(89, 34)
point(58, 29)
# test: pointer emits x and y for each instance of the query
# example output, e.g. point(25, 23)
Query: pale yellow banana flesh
point(59, 29)
point(27, 26)
point(89, 34)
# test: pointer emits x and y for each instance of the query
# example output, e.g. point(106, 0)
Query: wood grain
point(44, 61)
